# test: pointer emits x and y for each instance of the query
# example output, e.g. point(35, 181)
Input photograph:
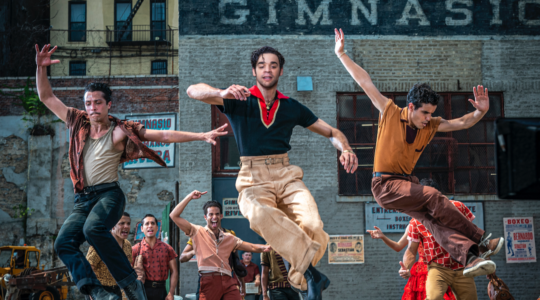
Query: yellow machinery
point(20, 269)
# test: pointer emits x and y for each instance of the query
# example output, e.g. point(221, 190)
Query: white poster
point(519, 240)
point(165, 150)
point(346, 249)
point(231, 209)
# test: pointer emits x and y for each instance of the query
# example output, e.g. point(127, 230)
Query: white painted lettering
point(358, 5)
point(522, 7)
point(496, 12)
point(406, 16)
point(240, 13)
point(468, 13)
point(303, 9)
point(272, 16)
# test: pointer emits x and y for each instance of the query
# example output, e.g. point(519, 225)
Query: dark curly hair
point(266, 49)
point(429, 182)
point(420, 94)
point(212, 203)
point(101, 87)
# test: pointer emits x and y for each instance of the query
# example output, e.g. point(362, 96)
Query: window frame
point(159, 61)
point(78, 62)
point(164, 20)
point(219, 119)
point(85, 20)
point(447, 96)
point(116, 28)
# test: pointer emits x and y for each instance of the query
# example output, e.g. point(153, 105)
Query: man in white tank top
point(98, 144)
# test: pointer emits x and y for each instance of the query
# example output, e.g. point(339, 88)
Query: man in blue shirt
point(273, 196)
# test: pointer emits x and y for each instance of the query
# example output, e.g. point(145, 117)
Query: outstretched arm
point(175, 214)
point(43, 60)
point(396, 246)
point(257, 248)
point(481, 103)
point(211, 95)
point(348, 158)
point(360, 75)
point(172, 136)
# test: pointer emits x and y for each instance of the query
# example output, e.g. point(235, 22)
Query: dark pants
point(93, 216)
point(113, 289)
point(155, 290)
point(284, 294)
point(450, 228)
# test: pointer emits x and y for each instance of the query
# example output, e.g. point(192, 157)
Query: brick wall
point(394, 65)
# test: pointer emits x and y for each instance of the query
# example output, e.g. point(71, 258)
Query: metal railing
point(139, 35)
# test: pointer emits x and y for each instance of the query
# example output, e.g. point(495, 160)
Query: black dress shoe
point(317, 282)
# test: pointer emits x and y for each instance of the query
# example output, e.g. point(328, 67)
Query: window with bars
point(77, 21)
point(77, 68)
point(461, 162)
point(159, 67)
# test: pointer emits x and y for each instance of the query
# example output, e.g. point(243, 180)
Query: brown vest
point(393, 154)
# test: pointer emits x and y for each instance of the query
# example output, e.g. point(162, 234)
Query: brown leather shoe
point(489, 247)
point(478, 266)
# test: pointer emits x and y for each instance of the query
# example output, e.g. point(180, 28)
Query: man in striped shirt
point(275, 278)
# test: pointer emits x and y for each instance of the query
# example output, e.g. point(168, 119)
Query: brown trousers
point(281, 209)
point(449, 226)
point(219, 287)
point(440, 278)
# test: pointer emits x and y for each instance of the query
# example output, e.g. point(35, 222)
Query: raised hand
point(376, 234)
point(340, 41)
point(237, 92)
point(404, 272)
point(210, 136)
point(349, 161)
point(43, 57)
point(196, 194)
point(481, 99)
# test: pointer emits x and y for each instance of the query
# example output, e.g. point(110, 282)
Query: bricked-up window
point(77, 68)
point(77, 21)
point(225, 155)
point(159, 67)
point(461, 162)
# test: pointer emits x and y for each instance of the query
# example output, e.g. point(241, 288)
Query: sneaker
point(489, 247)
point(317, 282)
point(135, 291)
point(97, 292)
point(477, 266)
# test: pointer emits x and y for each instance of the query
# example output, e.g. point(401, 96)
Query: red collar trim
point(254, 90)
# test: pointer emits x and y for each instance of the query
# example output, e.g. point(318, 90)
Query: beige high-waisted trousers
point(281, 209)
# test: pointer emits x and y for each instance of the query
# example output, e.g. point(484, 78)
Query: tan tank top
point(393, 154)
point(101, 160)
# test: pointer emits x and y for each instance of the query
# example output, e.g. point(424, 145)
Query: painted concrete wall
point(100, 14)
point(395, 64)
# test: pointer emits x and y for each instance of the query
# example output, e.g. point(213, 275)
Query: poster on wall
point(392, 221)
point(519, 240)
point(346, 249)
point(231, 209)
point(167, 151)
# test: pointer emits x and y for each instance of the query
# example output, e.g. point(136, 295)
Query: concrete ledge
point(367, 198)
point(118, 87)
point(91, 77)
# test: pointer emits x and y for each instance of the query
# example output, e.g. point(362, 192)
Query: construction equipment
point(21, 276)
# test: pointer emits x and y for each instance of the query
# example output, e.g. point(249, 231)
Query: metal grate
point(460, 162)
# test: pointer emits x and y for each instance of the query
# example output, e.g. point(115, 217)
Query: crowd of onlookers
point(222, 273)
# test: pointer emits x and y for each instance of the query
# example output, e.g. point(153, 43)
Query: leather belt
point(266, 161)
point(211, 274)
point(100, 187)
point(154, 284)
point(379, 174)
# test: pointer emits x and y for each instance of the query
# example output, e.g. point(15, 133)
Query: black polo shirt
point(259, 131)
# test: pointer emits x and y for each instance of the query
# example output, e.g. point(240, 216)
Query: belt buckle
point(154, 284)
point(268, 161)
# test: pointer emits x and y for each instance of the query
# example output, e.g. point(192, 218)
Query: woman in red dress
point(415, 289)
